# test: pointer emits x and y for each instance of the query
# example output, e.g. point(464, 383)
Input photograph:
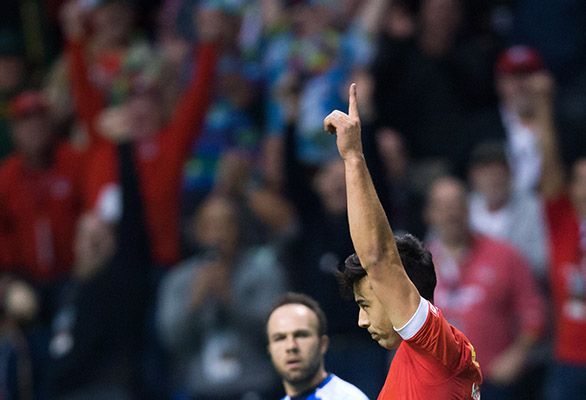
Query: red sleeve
point(191, 110)
point(100, 170)
point(558, 211)
point(88, 100)
point(438, 339)
point(528, 301)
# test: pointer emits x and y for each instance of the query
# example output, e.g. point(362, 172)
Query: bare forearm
point(369, 228)
point(552, 175)
point(371, 234)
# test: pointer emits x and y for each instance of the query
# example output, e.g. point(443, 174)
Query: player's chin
point(389, 343)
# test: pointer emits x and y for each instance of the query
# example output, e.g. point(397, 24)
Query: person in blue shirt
point(297, 343)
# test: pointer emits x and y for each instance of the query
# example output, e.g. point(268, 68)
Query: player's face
point(373, 317)
point(295, 346)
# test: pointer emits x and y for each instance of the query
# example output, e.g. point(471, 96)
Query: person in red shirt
point(486, 289)
point(40, 195)
point(565, 207)
point(161, 146)
point(393, 281)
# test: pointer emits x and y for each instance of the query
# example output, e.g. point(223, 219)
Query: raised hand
point(72, 16)
point(346, 127)
point(114, 124)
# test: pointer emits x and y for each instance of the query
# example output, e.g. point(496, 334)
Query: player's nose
point(291, 344)
point(363, 321)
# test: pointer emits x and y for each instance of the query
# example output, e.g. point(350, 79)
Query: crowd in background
point(165, 177)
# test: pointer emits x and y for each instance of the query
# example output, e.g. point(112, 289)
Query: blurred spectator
point(212, 310)
point(12, 79)
point(309, 57)
point(485, 289)
point(161, 146)
point(40, 195)
point(498, 210)
point(556, 29)
point(104, 61)
point(18, 309)
point(229, 127)
point(96, 334)
point(403, 201)
point(519, 116)
point(429, 73)
point(566, 216)
point(102, 32)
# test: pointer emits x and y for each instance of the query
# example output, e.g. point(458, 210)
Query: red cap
point(519, 60)
point(27, 103)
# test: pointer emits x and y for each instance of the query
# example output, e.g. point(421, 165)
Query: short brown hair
point(307, 301)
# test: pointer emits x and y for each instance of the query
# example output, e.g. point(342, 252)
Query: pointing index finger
point(353, 103)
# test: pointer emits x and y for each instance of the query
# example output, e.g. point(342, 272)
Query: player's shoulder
point(339, 389)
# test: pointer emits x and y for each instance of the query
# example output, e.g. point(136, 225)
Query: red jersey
point(436, 362)
point(38, 214)
point(568, 281)
point(490, 294)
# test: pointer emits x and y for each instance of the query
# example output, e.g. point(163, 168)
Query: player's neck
point(458, 246)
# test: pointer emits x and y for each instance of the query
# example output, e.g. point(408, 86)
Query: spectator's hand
point(174, 50)
point(507, 367)
point(401, 25)
point(233, 173)
point(272, 209)
point(212, 280)
point(72, 17)
point(209, 24)
point(542, 85)
point(114, 124)
point(346, 127)
point(21, 302)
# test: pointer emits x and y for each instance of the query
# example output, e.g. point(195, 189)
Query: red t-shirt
point(489, 294)
point(568, 281)
point(38, 215)
point(436, 362)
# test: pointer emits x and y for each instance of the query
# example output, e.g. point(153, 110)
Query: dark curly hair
point(416, 260)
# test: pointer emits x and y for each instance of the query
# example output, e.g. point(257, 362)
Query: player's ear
point(324, 344)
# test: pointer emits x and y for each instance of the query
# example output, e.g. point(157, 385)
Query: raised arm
point(191, 109)
point(552, 170)
point(371, 233)
point(88, 99)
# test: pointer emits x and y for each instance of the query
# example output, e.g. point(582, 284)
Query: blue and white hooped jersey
point(332, 388)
